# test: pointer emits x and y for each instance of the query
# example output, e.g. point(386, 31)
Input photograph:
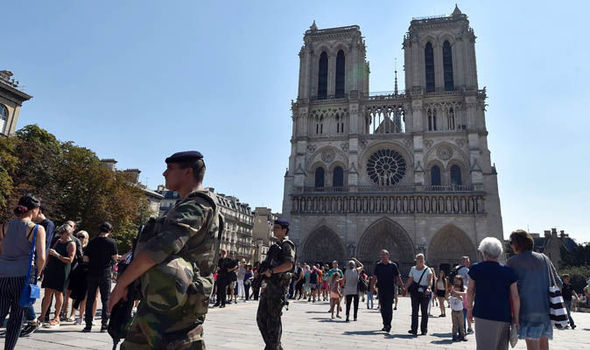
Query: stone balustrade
point(388, 203)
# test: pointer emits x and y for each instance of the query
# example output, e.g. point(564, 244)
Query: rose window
point(386, 167)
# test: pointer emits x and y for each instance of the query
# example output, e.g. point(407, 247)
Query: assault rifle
point(120, 318)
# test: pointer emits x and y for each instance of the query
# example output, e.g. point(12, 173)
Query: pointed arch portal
point(323, 245)
point(448, 245)
point(386, 234)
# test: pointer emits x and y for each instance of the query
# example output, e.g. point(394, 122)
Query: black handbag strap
point(28, 278)
point(422, 275)
point(552, 279)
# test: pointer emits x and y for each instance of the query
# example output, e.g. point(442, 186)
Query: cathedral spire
point(395, 86)
point(313, 26)
point(457, 12)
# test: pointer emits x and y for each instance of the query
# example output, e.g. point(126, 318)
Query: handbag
point(513, 335)
point(415, 288)
point(557, 311)
point(30, 291)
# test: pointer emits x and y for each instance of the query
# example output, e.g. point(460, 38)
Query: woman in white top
point(419, 281)
point(351, 281)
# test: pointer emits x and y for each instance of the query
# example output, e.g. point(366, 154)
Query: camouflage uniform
point(273, 298)
point(175, 293)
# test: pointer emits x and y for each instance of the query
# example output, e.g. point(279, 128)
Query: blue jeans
point(568, 306)
point(369, 300)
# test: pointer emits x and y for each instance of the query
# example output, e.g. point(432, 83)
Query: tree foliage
point(71, 182)
point(578, 276)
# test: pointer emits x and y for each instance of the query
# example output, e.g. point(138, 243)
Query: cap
point(185, 156)
point(282, 222)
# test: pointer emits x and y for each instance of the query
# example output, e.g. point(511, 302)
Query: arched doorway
point(323, 245)
point(386, 234)
point(447, 247)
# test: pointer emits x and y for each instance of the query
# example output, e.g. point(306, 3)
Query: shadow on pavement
point(400, 336)
point(442, 341)
point(442, 335)
point(361, 332)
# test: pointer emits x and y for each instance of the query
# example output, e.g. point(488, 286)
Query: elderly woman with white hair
point(351, 281)
point(491, 286)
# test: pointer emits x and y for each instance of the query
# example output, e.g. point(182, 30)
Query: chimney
point(547, 233)
point(109, 163)
point(553, 232)
point(134, 174)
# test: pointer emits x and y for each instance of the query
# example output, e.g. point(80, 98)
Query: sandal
point(53, 323)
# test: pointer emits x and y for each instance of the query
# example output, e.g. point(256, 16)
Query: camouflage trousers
point(146, 332)
point(172, 309)
point(268, 317)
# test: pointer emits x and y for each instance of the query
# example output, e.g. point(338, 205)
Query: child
point(335, 295)
point(370, 294)
point(457, 296)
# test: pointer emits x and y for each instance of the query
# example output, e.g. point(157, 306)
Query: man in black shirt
point(385, 276)
point(567, 291)
point(223, 279)
point(100, 253)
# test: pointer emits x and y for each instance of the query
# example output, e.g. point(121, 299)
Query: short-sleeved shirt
point(287, 253)
point(418, 273)
point(100, 251)
point(313, 277)
point(184, 221)
point(492, 290)
point(567, 291)
point(352, 282)
point(333, 271)
point(386, 275)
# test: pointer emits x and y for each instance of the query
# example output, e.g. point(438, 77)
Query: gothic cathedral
point(408, 171)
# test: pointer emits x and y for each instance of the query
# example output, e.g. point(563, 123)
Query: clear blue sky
point(139, 80)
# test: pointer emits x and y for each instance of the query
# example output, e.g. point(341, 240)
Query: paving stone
point(307, 326)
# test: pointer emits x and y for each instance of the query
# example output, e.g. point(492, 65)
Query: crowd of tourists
point(72, 269)
point(234, 280)
point(498, 302)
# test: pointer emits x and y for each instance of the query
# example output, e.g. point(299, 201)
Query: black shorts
point(440, 293)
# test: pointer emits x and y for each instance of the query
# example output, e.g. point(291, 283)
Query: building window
point(435, 176)
point(451, 118)
point(3, 119)
point(448, 66)
point(456, 175)
point(338, 177)
point(323, 76)
point(429, 64)
point(319, 177)
point(431, 120)
point(340, 69)
point(339, 124)
point(386, 167)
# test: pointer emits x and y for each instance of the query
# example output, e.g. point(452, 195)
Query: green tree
point(71, 182)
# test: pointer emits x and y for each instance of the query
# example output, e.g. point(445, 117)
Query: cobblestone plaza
point(308, 326)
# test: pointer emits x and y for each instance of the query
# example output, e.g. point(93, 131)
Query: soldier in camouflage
point(176, 255)
point(277, 274)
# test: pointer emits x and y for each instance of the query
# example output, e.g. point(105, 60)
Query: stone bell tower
point(407, 171)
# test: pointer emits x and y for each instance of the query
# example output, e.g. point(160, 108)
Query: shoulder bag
point(415, 288)
point(557, 311)
point(30, 292)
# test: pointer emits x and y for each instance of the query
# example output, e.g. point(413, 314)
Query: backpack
point(454, 272)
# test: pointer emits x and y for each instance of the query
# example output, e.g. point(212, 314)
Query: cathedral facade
point(408, 171)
